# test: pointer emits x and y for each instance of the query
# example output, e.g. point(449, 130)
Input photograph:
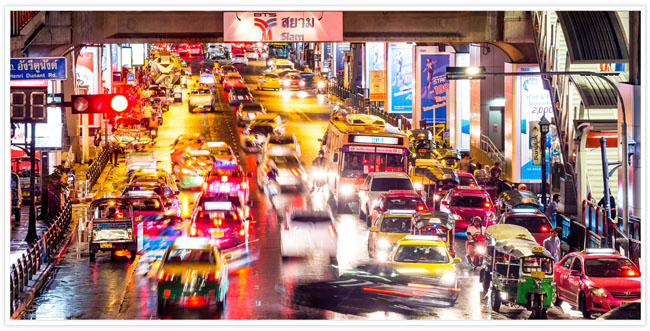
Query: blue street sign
point(130, 77)
point(27, 68)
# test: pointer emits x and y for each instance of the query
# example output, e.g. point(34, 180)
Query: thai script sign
point(37, 68)
point(283, 26)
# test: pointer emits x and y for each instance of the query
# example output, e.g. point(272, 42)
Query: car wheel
point(370, 252)
point(134, 253)
point(583, 306)
point(495, 300)
point(163, 306)
point(91, 257)
point(556, 297)
point(113, 256)
point(362, 215)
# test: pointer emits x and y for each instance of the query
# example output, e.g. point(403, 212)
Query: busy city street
point(250, 181)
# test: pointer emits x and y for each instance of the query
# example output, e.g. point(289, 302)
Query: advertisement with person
point(400, 78)
point(84, 70)
point(533, 102)
point(434, 87)
point(374, 59)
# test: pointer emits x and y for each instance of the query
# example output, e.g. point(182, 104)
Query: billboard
point(377, 86)
point(434, 87)
point(532, 101)
point(126, 56)
point(283, 26)
point(339, 58)
point(374, 59)
point(137, 54)
point(400, 78)
point(48, 135)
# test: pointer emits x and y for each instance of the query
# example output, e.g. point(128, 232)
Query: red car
point(465, 202)
point(531, 219)
point(597, 280)
point(397, 202)
point(467, 179)
point(221, 219)
point(223, 179)
point(170, 200)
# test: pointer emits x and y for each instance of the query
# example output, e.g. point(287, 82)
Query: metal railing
point(19, 19)
point(40, 253)
point(489, 147)
point(98, 165)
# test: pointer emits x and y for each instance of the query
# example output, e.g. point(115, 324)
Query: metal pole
point(543, 156)
point(603, 153)
point(32, 236)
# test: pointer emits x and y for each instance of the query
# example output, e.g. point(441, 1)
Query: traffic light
point(99, 103)
point(28, 104)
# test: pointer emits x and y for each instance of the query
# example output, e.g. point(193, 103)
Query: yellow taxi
point(192, 273)
point(387, 231)
point(157, 175)
point(427, 256)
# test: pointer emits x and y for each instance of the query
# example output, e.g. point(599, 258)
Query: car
point(145, 203)
point(201, 98)
point(233, 80)
point(597, 280)
point(193, 167)
point(222, 219)
point(225, 70)
point(254, 137)
point(466, 179)
point(396, 201)
point(290, 171)
point(377, 183)
point(465, 202)
point(184, 142)
point(157, 175)
point(628, 311)
point(247, 111)
point(192, 272)
point(293, 82)
point(268, 80)
point(226, 178)
point(281, 144)
point(386, 232)
point(427, 256)
point(306, 231)
point(533, 220)
point(252, 55)
point(170, 200)
point(239, 95)
point(220, 150)
point(239, 59)
point(311, 80)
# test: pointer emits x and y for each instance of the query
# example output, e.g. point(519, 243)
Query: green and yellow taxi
point(192, 273)
point(427, 256)
point(432, 181)
point(450, 158)
point(386, 232)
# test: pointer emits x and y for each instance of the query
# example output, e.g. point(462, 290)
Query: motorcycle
point(319, 177)
point(480, 250)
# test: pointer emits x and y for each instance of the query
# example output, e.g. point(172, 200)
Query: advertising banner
point(115, 60)
point(84, 69)
point(48, 135)
point(339, 57)
point(137, 54)
point(434, 87)
point(126, 57)
point(283, 26)
point(377, 85)
point(400, 78)
point(533, 101)
point(37, 68)
point(374, 59)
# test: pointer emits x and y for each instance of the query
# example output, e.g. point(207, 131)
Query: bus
point(356, 145)
point(278, 51)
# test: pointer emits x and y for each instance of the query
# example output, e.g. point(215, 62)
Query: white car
point(282, 145)
point(252, 55)
point(239, 59)
point(377, 183)
point(305, 232)
point(290, 171)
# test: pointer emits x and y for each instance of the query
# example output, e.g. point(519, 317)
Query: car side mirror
point(372, 229)
point(575, 273)
point(456, 260)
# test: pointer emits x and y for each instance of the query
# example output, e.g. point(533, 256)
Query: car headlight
point(418, 186)
point(456, 217)
point(269, 63)
point(347, 189)
point(321, 84)
point(384, 244)
point(382, 256)
point(437, 197)
point(286, 83)
point(448, 279)
point(480, 250)
point(599, 292)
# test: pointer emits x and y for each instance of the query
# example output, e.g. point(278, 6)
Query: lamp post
point(455, 73)
point(543, 128)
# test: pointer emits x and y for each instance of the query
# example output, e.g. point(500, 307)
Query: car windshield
point(402, 203)
point(610, 267)
point(355, 163)
point(396, 225)
point(201, 91)
point(311, 219)
point(468, 201)
point(218, 219)
point(451, 163)
point(251, 107)
point(271, 76)
point(188, 142)
point(240, 90)
point(261, 129)
point(148, 178)
point(225, 172)
point(285, 161)
point(293, 76)
point(239, 55)
point(134, 188)
point(534, 224)
point(538, 264)
point(386, 184)
point(115, 211)
point(219, 151)
point(466, 180)
point(282, 140)
point(200, 161)
point(146, 204)
point(421, 254)
point(190, 256)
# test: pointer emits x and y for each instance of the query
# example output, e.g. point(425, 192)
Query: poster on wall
point(377, 85)
point(115, 57)
point(533, 102)
point(434, 87)
point(374, 59)
point(48, 135)
point(400, 78)
point(340, 58)
point(84, 69)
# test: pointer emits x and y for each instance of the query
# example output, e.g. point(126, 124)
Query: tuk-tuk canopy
point(508, 231)
point(516, 198)
point(436, 173)
point(435, 217)
point(421, 134)
point(521, 248)
point(442, 153)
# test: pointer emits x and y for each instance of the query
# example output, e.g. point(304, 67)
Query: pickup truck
point(201, 98)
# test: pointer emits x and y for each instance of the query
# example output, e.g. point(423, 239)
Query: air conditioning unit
point(364, 120)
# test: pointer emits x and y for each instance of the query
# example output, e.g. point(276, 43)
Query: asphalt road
point(261, 285)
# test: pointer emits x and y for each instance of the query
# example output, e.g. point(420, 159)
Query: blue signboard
point(434, 86)
point(340, 59)
point(28, 68)
point(130, 77)
point(400, 78)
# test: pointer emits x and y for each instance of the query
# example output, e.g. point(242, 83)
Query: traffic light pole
point(32, 236)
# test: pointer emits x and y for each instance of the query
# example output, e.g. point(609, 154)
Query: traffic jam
point(241, 165)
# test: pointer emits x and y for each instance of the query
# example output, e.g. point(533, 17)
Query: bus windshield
point(365, 163)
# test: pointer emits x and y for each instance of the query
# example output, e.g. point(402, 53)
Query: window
point(396, 225)
point(468, 201)
point(271, 76)
point(146, 205)
point(466, 180)
point(421, 254)
point(168, 190)
point(577, 265)
point(240, 90)
point(610, 267)
point(534, 224)
point(285, 161)
point(386, 184)
point(403, 203)
point(130, 188)
point(190, 256)
point(567, 262)
point(188, 142)
point(539, 264)
point(202, 161)
point(355, 162)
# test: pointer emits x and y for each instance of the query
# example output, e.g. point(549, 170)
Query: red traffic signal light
point(99, 103)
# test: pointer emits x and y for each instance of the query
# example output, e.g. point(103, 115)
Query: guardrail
point(19, 19)
point(40, 253)
point(98, 165)
point(488, 146)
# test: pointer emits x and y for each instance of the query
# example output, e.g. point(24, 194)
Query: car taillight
point(332, 230)
point(217, 221)
point(419, 285)
point(129, 233)
point(421, 207)
point(193, 231)
point(243, 185)
point(631, 273)
point(242, 232)
point(247, 97)
point(161, 275)
point(213, 276)
point(289, 227)
point(296, 171)
point(487, 204)
point(545, 228)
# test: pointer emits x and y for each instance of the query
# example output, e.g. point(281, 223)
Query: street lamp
point(543, 128)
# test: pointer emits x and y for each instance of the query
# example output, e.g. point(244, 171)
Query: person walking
point(552, 245)
point(612, 204)
point(551, 210)
point(480, 174)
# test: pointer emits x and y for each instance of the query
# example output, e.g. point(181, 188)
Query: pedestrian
point(612, 205)
point(480, 173)
point(552, 245)
point(551, 210)
point(115, 151)
point(495, 172)
point(464, 163)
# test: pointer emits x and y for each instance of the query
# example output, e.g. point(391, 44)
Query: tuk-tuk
point(450, 158)
point(522, 275)
point(420, 144)
point(128, 134)
point(21, 166)
point(511, 199)
point(111, 227)
point(139, 160)
point(432, 181)
point(436, 223)
point(16, 196)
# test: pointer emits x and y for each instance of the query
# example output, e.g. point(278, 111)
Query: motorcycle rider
point(473, 230)
point(271, 175)
point(318, 164)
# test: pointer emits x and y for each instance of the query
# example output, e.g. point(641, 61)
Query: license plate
point(216, 234)
point(624, 302)
point(138, 219)
point(240, 97)
point(107, 245)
